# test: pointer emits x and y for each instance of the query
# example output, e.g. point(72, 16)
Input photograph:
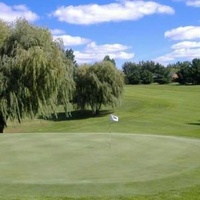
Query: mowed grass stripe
point(161, 110)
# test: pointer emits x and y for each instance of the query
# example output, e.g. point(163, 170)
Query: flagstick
point(110, 135)
point(113, 118)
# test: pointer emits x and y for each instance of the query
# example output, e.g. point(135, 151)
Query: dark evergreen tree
point(70, 55)
point(185, 73)
point(107, 58)
point(146, 77)
point(195, 71)
point(132, 73)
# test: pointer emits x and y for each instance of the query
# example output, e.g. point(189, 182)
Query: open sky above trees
point(126, 30)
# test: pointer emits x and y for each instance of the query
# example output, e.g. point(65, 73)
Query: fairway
point(80, 164)
point(152, 109)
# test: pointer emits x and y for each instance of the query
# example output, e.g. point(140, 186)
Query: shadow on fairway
point(195, 123)
point(76, 115)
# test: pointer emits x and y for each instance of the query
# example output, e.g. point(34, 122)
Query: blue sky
point(127, 30)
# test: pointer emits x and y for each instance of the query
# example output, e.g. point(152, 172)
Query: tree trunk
point(2, 123)
point(1, 128)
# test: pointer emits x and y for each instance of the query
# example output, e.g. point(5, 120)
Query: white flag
point(114, 118)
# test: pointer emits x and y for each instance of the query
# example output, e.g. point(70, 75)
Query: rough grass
point(65, 164)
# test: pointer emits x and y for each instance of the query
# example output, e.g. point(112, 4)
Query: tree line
point(37, 75)
point(147, 72)
point(188, 72)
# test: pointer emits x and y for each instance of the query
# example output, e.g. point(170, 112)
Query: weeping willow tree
point(97, 85)
point(35, 74)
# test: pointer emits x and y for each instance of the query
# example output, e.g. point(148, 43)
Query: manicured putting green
point(147, 162)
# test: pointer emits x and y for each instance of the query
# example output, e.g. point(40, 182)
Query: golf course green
point(151, 153)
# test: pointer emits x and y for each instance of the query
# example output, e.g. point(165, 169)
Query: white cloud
point(195, 3)
point(57, 31)
point(11, 13)
point(105, 48)
point(186, 45)
point(94, 52)
point(185, 54)
point(186, 50)
point(69, 40)
point(164, 59)
point(119, 11)
point(184, 33)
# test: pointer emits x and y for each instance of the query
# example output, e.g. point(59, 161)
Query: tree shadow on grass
point(76, 115)
point(194, 123)
point(182, 85)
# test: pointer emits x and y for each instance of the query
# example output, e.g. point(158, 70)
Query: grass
point(84, 165)
point(151, 109)
point(153, 153)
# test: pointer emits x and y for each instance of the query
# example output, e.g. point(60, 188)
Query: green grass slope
point(149, 109)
